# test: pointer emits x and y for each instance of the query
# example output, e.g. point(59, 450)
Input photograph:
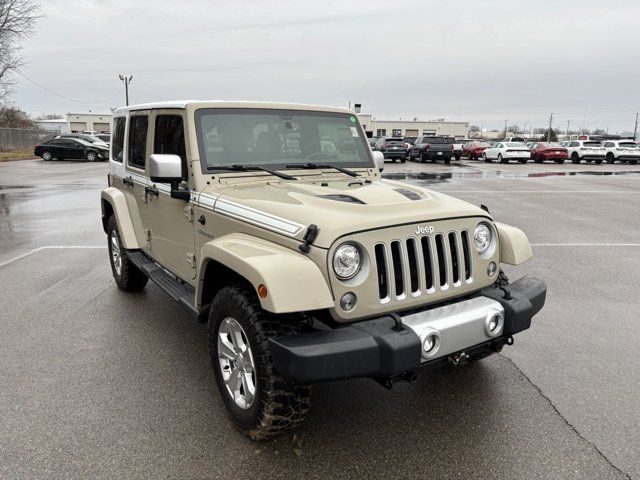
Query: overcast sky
point(478, 61)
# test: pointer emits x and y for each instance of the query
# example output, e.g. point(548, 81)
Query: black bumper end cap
point(525, 298)
point(368, 349)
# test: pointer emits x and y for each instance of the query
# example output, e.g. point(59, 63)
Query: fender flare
point(118, 202)
point(294, 282)
point(514, 245)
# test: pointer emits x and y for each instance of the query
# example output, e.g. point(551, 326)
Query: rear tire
point(46, 156)
point(610, 158)
point(559, 161)
point(125, 273)
point(598, 161)
point(502, 160)
point(447, 161)
point(523, 160)
point(633, 162)
point(575, 158)
point(536, 158)
point(485, 159)
point(275, 404)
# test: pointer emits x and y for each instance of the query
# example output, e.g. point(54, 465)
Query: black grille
point(446, 259)
point(442, 261)
point(398, 275)
point(381, 266)
point(413, 265)
point(426, 256)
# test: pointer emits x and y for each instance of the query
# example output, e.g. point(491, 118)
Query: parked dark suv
point(431, 148)
point(393, 148)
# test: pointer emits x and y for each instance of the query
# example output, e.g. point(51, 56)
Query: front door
point(170, 219)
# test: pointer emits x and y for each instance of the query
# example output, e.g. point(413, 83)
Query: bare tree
point(17, 21)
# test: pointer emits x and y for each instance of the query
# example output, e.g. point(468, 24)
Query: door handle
point(128, 181)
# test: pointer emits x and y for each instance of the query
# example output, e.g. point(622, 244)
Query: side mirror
point(378, 158)
point(168, 169)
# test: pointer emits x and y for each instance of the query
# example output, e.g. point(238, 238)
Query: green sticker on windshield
point(353, 119)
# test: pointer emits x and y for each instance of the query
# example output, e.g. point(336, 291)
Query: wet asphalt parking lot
point(96, 383)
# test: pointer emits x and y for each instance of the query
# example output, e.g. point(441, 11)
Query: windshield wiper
point(252, 168)
point(314, 166)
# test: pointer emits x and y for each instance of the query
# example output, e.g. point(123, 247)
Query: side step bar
point(181, 292)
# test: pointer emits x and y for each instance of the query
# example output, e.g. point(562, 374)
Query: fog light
point(431, 344)
point(348, 301)
point(491, 269)
point(493, 324)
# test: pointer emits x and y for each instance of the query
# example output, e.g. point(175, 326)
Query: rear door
point(171, 220)
point(137, 151)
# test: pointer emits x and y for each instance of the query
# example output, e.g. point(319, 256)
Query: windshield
point(277, 138)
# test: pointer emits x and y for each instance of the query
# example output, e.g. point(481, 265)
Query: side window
point(169, 139)
point(138, 140)
point(117, 142)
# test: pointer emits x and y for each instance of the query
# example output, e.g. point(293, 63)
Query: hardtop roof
point(195, 104)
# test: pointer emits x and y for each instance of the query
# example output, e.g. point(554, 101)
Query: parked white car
point(587, 150)
point(621, 150)
point(505, 151)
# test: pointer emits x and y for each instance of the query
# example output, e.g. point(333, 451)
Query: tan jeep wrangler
point(272, 223)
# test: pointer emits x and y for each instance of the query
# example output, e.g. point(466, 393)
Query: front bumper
point(379, 348)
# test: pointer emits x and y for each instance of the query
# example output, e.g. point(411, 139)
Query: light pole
point(126, 80)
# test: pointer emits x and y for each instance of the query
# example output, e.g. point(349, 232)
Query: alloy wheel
point(236, 363)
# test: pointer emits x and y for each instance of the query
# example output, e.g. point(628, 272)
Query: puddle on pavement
point(455, 177)
point(12, 187)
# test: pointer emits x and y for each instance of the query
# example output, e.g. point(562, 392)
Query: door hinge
point(191, 259)
point(148, 235)
point(188, 212)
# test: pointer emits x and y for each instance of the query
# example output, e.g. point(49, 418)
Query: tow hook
point(388, 383)
point(459, 359)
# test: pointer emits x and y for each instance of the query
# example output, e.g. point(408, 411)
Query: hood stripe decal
point(248, 214)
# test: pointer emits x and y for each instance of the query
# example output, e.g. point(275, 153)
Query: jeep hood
point(340, 208)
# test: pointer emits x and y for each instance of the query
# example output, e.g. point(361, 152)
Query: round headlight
point(346, 261)
point(482, 237)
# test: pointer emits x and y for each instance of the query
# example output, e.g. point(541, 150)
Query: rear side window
point(117, 145)
point(138, 140)
point(169, 138)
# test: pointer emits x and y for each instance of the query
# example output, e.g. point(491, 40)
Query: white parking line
point(47, 247)
point(537, 191)
point(585, 244)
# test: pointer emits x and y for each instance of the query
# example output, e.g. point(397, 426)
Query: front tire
point(259, 400)
point(610, 158)
point(502, 160)
point(91, 156)
point(575, 158)
point(127, 276)
point(598, 161)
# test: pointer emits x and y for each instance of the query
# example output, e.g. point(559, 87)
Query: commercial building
point(81, 122)
point(411, 128)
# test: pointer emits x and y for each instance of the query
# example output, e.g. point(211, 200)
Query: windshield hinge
point(309, 237)
point(188, 212)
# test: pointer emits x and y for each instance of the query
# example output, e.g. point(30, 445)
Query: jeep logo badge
point(424, 230)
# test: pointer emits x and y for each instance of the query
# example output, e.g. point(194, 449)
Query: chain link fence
point(22, 139)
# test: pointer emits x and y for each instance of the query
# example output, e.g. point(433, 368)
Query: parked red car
point(474, 150)
point(548, 151)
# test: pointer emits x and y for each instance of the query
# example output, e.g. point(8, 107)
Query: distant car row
point(74, 146)
point(423, 148)
point(575, 150)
